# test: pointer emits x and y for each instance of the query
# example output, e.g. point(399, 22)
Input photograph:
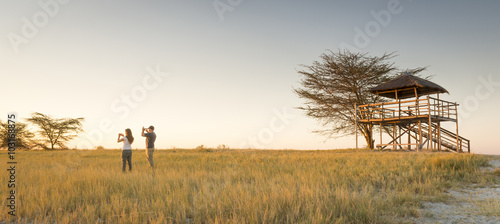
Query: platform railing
point(443, 108)
point(403, 109)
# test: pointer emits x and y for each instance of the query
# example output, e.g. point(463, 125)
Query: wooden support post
point(399, 113)
point(459, 148)
point(420, 135)
point(399, 137)
point(429, 134)
point(380, 132)
point(409, 137)
point(394, 136)
point(356, 122)
point(439, 135)
point(372, 141)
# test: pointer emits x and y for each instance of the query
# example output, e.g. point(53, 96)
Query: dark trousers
point(127, 157)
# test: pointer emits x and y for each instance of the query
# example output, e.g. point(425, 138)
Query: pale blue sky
point(229, 73)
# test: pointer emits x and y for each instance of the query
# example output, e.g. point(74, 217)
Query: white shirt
point(126, 144)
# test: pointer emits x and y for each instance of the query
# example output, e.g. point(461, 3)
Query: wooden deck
point(407, 119)
point(408, 111)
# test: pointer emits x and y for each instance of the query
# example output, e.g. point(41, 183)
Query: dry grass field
point(233, 186)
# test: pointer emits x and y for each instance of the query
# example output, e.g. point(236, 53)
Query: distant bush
point(200, 147)
point(222, 146)
point(100, 147)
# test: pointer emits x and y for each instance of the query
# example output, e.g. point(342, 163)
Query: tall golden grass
point(232, 186)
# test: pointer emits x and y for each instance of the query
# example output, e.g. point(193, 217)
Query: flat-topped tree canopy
point(405, 86)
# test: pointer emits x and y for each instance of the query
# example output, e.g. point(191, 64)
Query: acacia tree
point(24, 137)
point(56, 131)
point(333, 86)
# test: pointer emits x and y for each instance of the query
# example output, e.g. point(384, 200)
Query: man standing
point(150, 143)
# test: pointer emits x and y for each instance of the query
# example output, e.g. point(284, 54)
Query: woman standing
point(127, 140)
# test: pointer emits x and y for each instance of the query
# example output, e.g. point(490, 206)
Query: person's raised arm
point(142, 132)
point(119, 139)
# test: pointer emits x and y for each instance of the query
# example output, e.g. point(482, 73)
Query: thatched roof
point(405, 84)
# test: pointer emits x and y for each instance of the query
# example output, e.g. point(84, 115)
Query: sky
point(222, 72)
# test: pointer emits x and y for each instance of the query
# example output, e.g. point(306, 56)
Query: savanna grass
point(232, 186)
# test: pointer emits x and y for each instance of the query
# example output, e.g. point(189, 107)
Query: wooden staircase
point(448, 140)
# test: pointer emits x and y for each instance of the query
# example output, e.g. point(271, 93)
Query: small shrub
point(200, 147)
point(497, 171)
point(222, 146)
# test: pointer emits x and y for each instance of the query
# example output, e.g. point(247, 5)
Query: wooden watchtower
point(411, 112)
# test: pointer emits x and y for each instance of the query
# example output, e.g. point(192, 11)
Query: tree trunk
point(368, 134)
point(369, 140)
